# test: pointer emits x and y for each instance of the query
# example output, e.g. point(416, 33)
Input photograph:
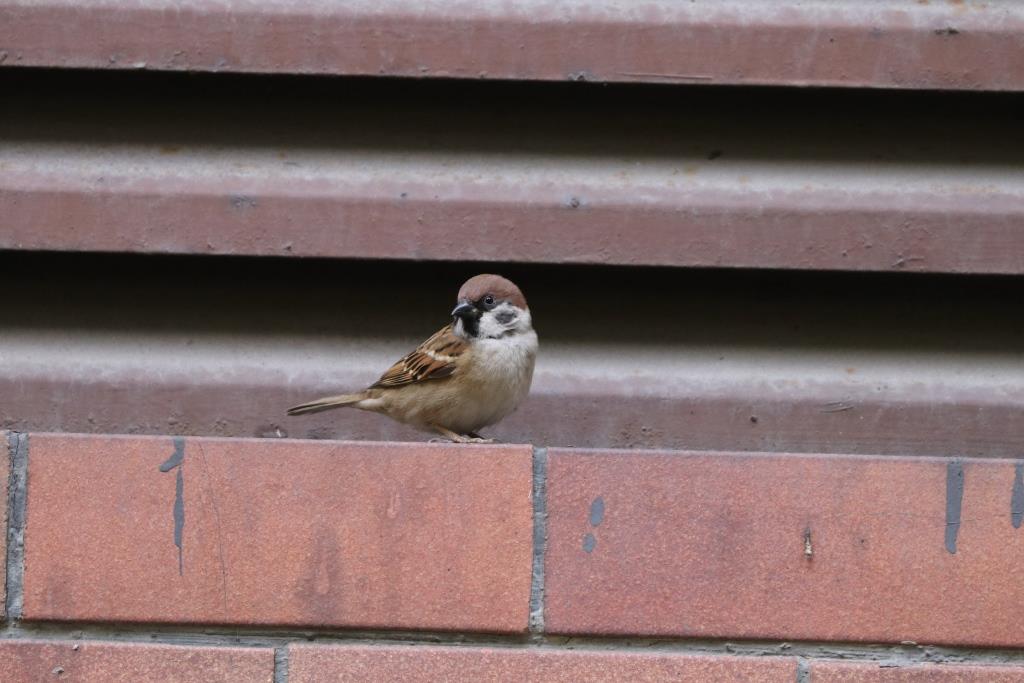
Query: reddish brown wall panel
point(293, 533)
point(313, 663)
point(871, 672)
point(85, 661)
point(783, 547)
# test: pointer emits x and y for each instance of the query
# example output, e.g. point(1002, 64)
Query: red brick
point(87, 661)
point(847, 672)
point(713, 545)
point(410, 664)
point(405, 536)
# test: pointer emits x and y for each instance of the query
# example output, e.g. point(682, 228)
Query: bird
point(470, 374)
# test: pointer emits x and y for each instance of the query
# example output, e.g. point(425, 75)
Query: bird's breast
point(499, 375)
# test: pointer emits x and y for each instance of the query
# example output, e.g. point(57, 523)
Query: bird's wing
point(435, 358)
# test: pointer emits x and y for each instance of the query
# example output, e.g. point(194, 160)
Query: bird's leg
point(459, 438)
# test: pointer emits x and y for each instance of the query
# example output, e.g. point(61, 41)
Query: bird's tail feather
point(326, 403)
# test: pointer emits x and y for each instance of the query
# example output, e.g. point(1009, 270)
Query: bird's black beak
point(466, 311)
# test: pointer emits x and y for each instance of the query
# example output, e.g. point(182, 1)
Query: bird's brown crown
point(480, 286)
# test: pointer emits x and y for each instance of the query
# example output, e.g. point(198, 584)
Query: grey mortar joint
point(803, 671)
point(540, 538)
point(281, 664)
point(888, 654)
point(16, 506)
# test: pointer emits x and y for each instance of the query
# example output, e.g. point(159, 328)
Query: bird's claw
point(462, 439)
point(476, 438)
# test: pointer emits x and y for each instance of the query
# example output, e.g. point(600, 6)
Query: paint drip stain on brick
point(1017, 495)
point(955, 499)
point(177, 461)
point(595, 518)
point(954, 502)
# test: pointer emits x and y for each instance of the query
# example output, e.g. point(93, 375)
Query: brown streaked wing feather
point(433, 359)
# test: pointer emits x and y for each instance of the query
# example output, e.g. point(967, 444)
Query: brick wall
point(194, 558)
point(774, 432)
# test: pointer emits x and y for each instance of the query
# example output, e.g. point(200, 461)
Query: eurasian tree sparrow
point(471, 374)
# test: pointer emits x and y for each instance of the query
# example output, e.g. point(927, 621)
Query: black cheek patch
point(505, 317)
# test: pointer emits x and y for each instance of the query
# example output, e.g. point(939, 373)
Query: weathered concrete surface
point(628, 359)
point(887, 182)
point(885, 44)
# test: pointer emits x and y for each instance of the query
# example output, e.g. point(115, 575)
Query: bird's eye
point(488, 300)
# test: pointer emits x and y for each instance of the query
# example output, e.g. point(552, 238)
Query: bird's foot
point(454, 437)
point(466, 438)
point(476, 438)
